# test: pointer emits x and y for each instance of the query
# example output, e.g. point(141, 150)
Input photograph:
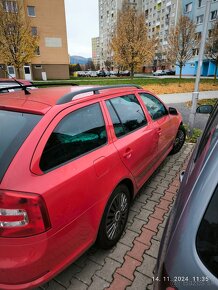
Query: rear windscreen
point(14, 129)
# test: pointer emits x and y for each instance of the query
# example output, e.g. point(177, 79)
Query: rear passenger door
point(134, 138)
point(162, 121)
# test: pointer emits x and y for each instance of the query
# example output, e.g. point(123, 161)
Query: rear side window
point(78, 133)
point(14, 129)
point(155, 108)
point(207, 236)
point(126, 114)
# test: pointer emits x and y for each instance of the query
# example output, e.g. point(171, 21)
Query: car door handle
point(128, 153)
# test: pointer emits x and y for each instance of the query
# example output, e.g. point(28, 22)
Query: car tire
point(114, 218)
point(179, 140)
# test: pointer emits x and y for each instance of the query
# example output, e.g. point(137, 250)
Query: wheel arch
point(128, 182)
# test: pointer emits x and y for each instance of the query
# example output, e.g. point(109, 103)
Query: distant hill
point(74, 59)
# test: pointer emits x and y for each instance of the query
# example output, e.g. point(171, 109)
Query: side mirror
point(173, 111)
point(204, 109)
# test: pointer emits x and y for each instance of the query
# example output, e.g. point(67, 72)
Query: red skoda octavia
point(71, 161)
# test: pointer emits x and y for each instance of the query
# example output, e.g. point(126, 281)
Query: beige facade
point(96, 51)
point(47, 19)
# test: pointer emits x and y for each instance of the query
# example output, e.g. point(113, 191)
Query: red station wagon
point(71, 161)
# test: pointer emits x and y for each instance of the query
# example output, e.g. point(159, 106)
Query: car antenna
point(24, 88)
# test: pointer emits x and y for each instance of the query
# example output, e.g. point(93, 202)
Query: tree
point(17, 44)
point(130, 44)
point(89, 65)
point(181, 42)
point(74, 67)
point(108, 64)
point(212, 46)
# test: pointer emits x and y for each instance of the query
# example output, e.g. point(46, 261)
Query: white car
point(159, 72)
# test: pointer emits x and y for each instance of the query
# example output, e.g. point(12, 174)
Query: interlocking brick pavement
point(129, 265)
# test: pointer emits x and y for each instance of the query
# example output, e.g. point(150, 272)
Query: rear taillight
point(22, 214)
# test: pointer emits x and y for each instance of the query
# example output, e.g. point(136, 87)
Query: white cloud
point(82, 25)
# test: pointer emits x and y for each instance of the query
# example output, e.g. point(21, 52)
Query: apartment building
point(161, 16)
point(47, 19)
point(108, 11)
point(195, 10)
point(96, 51)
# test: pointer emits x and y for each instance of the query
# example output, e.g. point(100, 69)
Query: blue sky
point(82, 25)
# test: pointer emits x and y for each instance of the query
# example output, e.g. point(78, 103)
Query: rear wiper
point(24, 88)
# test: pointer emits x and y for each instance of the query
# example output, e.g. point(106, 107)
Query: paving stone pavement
point(130, 264)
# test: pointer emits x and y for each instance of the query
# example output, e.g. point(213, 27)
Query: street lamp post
point(195, 94)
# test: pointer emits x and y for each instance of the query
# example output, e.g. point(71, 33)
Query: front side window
point(77, 134)
point(207, 236)
point(209, 137)
point(126, 114)
point(155, 108)
point(31, 11)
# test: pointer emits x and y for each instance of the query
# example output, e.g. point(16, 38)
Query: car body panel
point(178, 254)
point(75, 192)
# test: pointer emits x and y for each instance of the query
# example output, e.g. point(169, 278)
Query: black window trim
point(75, 158)
point(126, 134)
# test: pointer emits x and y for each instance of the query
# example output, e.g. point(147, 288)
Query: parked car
point(92, 73)
point(159, 73)
point(71, 161)
point(170, 72)
point(8, 84)
point(188, 255)
point(125, 73)
point(81, 74)
point(113, 73)
point(101, 73)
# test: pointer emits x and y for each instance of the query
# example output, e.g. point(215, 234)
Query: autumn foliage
point(130, 45)
point(17, 44)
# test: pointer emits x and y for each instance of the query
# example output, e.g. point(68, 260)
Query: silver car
point(188, 255)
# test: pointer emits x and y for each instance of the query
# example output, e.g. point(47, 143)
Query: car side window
point(209, 136)
point(155, 108)
point(207, 236)
point(78, 133)
point(126, 114)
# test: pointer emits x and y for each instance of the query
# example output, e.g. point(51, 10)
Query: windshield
point(14, 129)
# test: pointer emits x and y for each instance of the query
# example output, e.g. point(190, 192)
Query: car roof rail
point(96, 90)
point(25, 87)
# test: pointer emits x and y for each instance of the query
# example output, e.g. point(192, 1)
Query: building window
point(188, 7)
point(10, 6)
point(38, 66)
point(200, 3)
point(200, 19)
point(198, 35)
point(31, 11)
point(37, 51)
point(34, 31)
point(213, 15)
